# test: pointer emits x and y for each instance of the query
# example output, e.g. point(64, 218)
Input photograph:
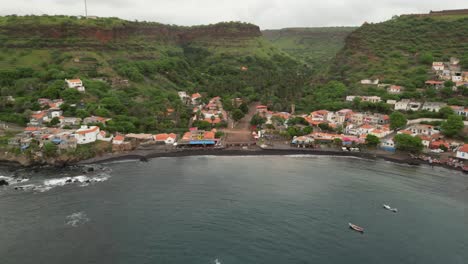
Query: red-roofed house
point(394, 89)
point(196, 98)
point(165, 138)
point(118, 140)
point(435, 84)
point(462, 152)
point(75, 84)
point(86, 135)
point(262, 109)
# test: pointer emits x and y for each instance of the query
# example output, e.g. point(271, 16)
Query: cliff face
point(54, 35)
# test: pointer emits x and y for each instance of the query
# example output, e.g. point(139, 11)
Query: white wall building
point(86, 135)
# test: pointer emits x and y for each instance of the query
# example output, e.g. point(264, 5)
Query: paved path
point(241, 131)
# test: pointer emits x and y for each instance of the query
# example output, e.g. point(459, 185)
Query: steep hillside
point(401, 50)
point(228, 59)
point(314, 46)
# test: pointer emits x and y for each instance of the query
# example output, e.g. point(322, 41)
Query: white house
point(102, 136)
point(86, 135)
point(391, 102)
point(460, 110)
point(118, 140)
point(402, 105)
point(370, 82)
point(75, 84)
point(462, 152)
point(438, 66)
point(420, 129)
point(433, 106)
point(457, 78)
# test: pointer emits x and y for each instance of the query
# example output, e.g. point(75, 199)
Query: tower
point(86, 8)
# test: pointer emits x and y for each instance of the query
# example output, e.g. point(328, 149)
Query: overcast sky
point(268, 14)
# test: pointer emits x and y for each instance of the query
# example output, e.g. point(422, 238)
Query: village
point(345, 130)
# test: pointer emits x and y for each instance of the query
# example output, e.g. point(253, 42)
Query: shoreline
point(147, 154)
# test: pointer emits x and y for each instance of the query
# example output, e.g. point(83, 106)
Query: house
point(86, 134)
point(195, 98)
point(435, 84)
point(52, 113)
point(118, 140)
point(391, 102)
point(370, 82)
point(95, 120)
point(426, 140)
point(71, 121)
point(433, 106)
point(402, 105)
point(75, 84)
point(102, 136)
point(438, 66)
point(465, 76)
point(414, 106)
point(140, 137)
point(371, 99)
point(388, 145)
point(462, 152)
point(394, 89)
point(261, 109)
point(357, 118)
point(168, 139)
point(460, 110)
point(38, 118)
point(439, 144)
point(420, 129)
point(457, 77)
point(366, 129)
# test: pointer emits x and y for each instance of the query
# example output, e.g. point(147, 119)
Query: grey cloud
point(265, 13)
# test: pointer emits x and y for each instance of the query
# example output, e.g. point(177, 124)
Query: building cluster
point(75, 84)
point(212, 112)
point(448, 71)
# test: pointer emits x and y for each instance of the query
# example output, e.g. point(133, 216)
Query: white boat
point(390, 208)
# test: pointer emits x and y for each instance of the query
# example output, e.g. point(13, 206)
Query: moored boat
point(356, 228)
point(390, 208)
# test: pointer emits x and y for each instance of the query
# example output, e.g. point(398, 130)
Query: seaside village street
point(211, 125)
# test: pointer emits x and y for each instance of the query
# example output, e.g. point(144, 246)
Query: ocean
point(209, 209)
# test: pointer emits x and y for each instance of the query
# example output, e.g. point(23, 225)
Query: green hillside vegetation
point(401, 50)
point(157, 60)
point(314, 46)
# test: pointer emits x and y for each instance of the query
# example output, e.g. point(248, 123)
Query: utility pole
point(86, 8)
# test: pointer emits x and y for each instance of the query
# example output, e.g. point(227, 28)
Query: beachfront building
point(198, 138)
point(462, 152)
point(86, 134)
point(167, 139)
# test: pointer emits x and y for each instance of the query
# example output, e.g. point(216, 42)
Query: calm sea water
point(238, 210)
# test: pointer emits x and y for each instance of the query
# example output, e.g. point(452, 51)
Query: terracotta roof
point(209, 135)
point(367, 126)
point(119, 138)
point(262, 107)
point(196, 96)
point(73, 80)
point(91, 130)
point(464, 148)
point(30, 129)
point(434, 82)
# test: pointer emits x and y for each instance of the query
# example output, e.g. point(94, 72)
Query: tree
point(244, 108)
point(397, 120)
point(338, 142)
point(426, 58)
point(54, 121)
point(372, 140)
point(408, 143)
point(50, 149)
point(446, 111)
point(237, 115)
point(453, 126)
point(257, 120)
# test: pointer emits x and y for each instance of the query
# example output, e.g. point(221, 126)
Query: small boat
point(356, 228)
point(390, 208)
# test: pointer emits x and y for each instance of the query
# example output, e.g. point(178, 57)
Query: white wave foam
point(217, 261)
point(77, 219)
point(58, 182)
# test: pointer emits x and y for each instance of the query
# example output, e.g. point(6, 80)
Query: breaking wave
point(77, 219)
point(49, 184)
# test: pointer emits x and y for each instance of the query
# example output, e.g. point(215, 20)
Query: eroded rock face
point(74, 35)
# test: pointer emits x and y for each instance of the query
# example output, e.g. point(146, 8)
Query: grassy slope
point(392, 50)
point(209, 64)
point(314, 46)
